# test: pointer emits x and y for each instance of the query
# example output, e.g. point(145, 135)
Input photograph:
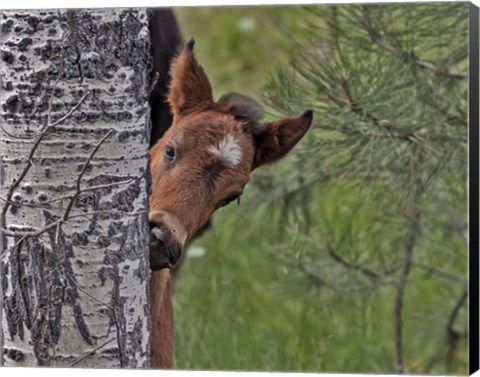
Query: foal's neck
point(162, 319)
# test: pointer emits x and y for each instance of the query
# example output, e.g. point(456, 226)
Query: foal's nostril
point(165, 247)
point(174, 255)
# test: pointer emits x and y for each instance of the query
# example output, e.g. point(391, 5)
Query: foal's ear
point(190, 89)
point(279, 137)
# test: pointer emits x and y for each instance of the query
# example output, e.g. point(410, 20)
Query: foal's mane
point(244, 108)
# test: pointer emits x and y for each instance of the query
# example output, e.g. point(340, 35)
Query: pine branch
point(411, 58)
point(461, 119)
point(365, 271)
point(439, 272)
point(317, 281)
point(391, 130)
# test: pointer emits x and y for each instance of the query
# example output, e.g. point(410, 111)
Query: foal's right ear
point(190, 89)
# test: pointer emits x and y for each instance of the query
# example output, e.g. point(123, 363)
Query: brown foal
point(202, 162)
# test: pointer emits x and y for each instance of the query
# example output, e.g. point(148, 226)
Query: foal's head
point(204, 160)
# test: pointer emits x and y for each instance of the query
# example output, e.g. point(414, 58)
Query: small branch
point(438, 70)
point(108, 212)
point(317, 281)
point(108, 185)
point(17, 182)
point(440, 272)
point(98, 187)
point(92, 352)
point(88, 294)
point(86, 189)
point(80, 176)
point(35, 233)
point(365, 271)
point(17, 137)
point(17, 243)
point(72, 110)
point(30, 205)
point(24, 235)
point(59, 222)
point(50, 100)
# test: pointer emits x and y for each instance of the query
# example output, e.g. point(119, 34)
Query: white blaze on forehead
point(228, 150)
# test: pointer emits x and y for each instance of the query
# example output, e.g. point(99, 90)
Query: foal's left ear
point(190, 89)
point(279, 137)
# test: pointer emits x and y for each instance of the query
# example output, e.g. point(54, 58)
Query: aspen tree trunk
point(74, 120)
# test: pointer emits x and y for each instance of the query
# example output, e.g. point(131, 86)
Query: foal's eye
point(229, 199)
point(169, 153)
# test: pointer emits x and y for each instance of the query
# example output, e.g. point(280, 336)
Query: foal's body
point(201, 163)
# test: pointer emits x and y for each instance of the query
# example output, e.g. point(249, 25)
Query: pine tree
point(379, 184)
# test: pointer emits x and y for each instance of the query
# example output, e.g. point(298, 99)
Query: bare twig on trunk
point(80, 176)
point(66, 215)
point(29, 164)
point(92, 352)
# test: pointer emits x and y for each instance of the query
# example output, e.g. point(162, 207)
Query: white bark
point(76, 294)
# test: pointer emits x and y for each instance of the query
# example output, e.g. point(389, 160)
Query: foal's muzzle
point(165, 250)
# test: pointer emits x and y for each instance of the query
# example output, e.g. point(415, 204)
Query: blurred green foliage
point(239, 46)
point(369, 209)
